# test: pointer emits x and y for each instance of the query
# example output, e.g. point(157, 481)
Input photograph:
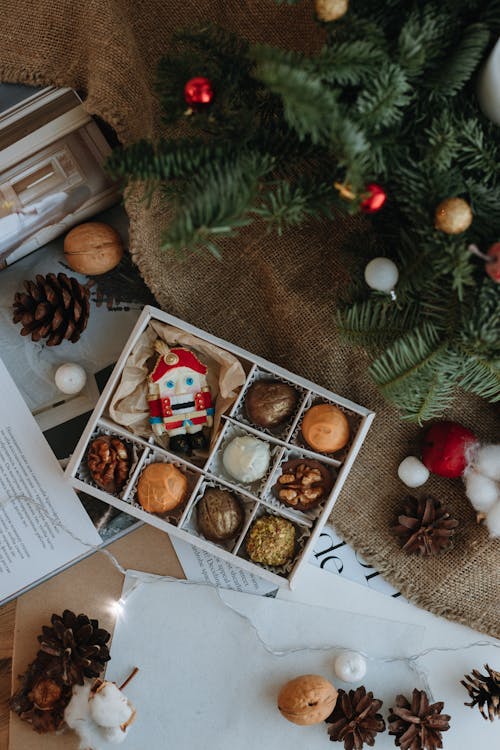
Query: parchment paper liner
point(302, 535)
point(189, 523)
point(129, 406)
point(135, 451)
point(173, 516)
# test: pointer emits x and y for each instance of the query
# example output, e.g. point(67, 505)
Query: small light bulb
point(382, 274)
point(118, 607)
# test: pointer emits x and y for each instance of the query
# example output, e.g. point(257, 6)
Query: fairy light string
point(143, 578)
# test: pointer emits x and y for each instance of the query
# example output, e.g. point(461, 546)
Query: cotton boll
point(109, 707)
point(481, 491)
point(77, 718)
point(488, 461)
point(114, 735)
point(493, 520)
point(77, 709)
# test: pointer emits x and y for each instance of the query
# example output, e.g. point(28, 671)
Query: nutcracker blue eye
point(189, 381)
point(170, 384)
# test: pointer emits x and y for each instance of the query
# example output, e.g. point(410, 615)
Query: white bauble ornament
point(493, 520)
point(487, 461)
point(381, 274)
point(70, 378)
point(488, 86)
point(350, 666)
point(482, 491)
point(412, 472)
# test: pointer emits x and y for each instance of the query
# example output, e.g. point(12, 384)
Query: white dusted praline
point(350, 666)
point(412, 472)
point(246, 458)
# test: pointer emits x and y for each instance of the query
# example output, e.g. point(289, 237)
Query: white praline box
point(257, 498)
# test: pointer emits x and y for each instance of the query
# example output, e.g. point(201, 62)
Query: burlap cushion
point(273, 296)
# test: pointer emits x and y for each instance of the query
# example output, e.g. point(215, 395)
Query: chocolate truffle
point(246, 458)
point(219, 515)
point(271, 541)
point(325, 428)
point(269, 403)
point(303, 483)
point(161, 488)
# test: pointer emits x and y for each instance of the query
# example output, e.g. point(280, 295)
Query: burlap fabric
point(274, 296)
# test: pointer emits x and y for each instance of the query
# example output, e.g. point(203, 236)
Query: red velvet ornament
point(493, 266)
point(444, 448)
point(198, 92)
point(375, 199)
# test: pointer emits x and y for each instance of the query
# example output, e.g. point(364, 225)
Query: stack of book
point(51, 170)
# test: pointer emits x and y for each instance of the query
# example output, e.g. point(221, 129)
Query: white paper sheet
point(31, 545)
point(206, 681)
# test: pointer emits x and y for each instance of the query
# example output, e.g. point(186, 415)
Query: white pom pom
point(109, 707)
point(412, 472)
point(350, 666)
point(493, 520)
point(481, 491)
point(488, 461)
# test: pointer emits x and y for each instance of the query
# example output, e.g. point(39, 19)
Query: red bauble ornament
point(198, 92)
point(493, 266)
point(444, 448)
point(375, 199)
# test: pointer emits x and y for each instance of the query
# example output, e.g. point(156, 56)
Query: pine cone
point(41, 701)
point(425, 527)
point(354, 719)
point(418, 726)
point(73, 648)
point(52, 307)
point(484, 689)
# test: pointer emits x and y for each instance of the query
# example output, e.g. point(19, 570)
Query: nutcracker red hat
point(174, 358)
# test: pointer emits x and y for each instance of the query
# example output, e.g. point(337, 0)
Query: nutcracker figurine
point(180, 404)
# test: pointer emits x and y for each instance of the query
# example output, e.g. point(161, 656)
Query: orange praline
point(161, 488)
point(325, 428)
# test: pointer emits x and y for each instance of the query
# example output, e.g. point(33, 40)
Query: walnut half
point(108, 462)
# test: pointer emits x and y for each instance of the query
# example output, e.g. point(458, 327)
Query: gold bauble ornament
point(93, 248)
point(330, 10)
point(453, 216)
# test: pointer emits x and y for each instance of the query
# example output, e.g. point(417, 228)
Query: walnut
point(108, 462)
point(303, 484)
point(308, 699)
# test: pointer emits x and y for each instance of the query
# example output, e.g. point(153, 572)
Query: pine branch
point(480, 376)
point(460, 62)
point(384, 97)
point(407, 357)
point(376, 322)
point(218, 202)
point(349, 63)
point(166, 160)
point(285, 205)
point(310, 108)
point(420, 39)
